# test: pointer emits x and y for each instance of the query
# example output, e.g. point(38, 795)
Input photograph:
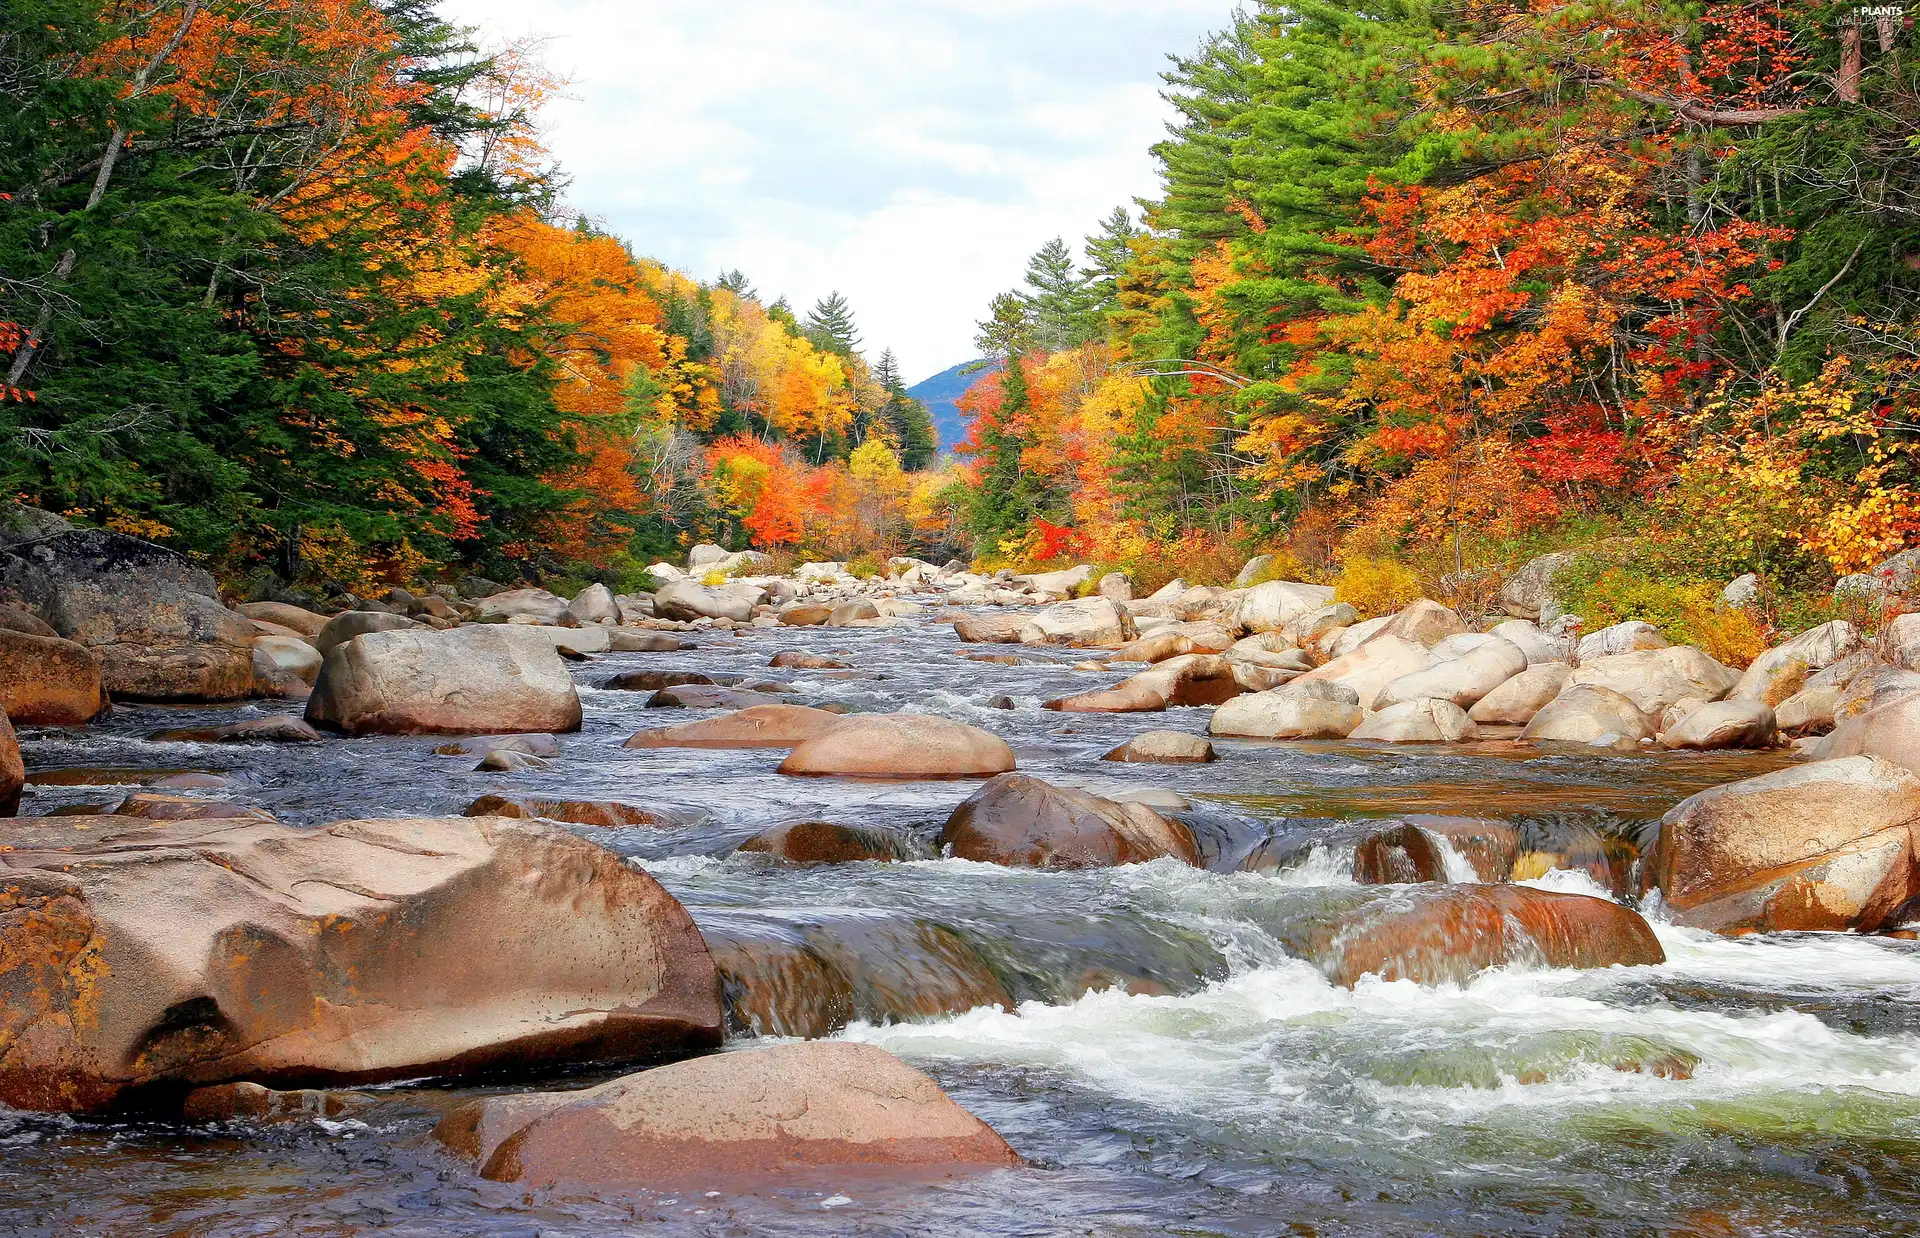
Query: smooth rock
point(797, 659)
point(1463, 680)
point(1369, 669)
point(492, 678)
point(1252, 570)
point(1528, 593)
point(1632, 636)
point(1780, 672)
point(1656, 678)
point(1424, 721)
point(1515, 702)
point(901, 746)
point(1270, 607)
point(759, 726)
point(1723, 724)
point(48, 681)
point(1309, 710)
point(1584, 713)
point(848, 612)
point(284, 665)
point(1540, 645)
point(814, 1110)
point(686, 600)
point(534, 745)
point(827, 842)
point(508, 761)
point(607, 814)
point(645, 642)
point(1086, 622)
point(209, 951)
point(1890, 732)
point(346, 625)
point(1164, 747)
point(528, 605)
point(280, 729)
point(1425, 623)
point(990, 629)
point(1022, 822)
point(1115, 587)
point(298, 618)
point(805, 615)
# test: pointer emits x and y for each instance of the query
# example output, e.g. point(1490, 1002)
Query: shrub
point(713, 578)
point(1285, 565)
point(862, 566)
point(1729, 636)
point(1376, 586)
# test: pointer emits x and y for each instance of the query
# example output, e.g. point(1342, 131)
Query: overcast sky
point(908, 153)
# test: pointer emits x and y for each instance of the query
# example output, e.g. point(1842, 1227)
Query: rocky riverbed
point(1312, 986)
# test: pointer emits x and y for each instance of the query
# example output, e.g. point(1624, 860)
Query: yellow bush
point(1375, 586)
point(713, 578)
point(1731, 637)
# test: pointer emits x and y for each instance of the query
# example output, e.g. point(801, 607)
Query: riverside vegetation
point(1405, 718)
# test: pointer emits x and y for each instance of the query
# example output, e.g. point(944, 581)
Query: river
point(1140, 1035)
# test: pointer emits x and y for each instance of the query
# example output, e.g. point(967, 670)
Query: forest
point(1425, 291)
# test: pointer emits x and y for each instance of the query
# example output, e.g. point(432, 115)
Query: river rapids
point(1139, 1035)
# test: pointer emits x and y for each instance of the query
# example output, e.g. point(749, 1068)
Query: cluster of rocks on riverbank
point(194, 955)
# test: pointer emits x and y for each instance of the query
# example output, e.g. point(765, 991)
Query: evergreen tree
point(1006, 329)
point(830, 326)
point(1061, 304)
point(735, 281)
point(909, 420)
point(1009, 496)
point(1108, 253)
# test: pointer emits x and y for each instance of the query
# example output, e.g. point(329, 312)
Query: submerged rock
point(491, 678)
point(758, 726)
point(827, 842)
point(208, 951)
point(901, 746)
point(608, 814)
point(758, 1117)
point(228, 1102)
point(1446, 934)
point(280, 729)
point(1022, 822)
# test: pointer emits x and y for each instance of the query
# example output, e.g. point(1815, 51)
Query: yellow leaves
point(874, 464)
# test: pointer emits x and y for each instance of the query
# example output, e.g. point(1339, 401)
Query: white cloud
point(908, 153)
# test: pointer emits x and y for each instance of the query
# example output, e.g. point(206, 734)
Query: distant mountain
point(939, 393)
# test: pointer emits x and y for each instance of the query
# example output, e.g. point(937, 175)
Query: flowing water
point(1140, 1035)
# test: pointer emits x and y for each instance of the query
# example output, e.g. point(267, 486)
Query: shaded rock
point(1370, 668)
point(1515, 702)
point(1463, 680)
point(13, 776)
point(280, 729)
point(1270, 607)
point(346, 625)
point(1129, 696)
point(14, 619)
point(494, 678)
point(1585, 713)
point(901, 746)
point(1022, 822)
point(1424, 721)
point(284, 666)
point(654, 681)
point(1632, 636)
point(848, 612)
point(1310, 710)
point(1155, 648)
point(209, 951)
point(1397, 854)
point(709, 696)
point(827, 842)
point(1528, 593)
point(1656, 678)
point(607, 814)
point(1827, 845)
point(1489, 848)
point(1164, 747)
point(796, 659)
point(687, 600)
point(797, 1110)
point(1003, 701)
point(296, 618)
point(1115, 587)
point(1094, 621)
point(646, 642)
point(47, 681)
point(1190, 679)
point(594, 604)
point(1723, 724)
point(529, 605)
point(1780, 672)
point(159, 806)
point(534, 745)
point(759, 726)
point(1540, 645)
point(1425, 623)
point(1890, 732)
point(230, 1102)
point(509, 761)
point(806, 615)
point(1446, 934)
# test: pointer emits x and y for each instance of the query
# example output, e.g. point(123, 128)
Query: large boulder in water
point(525, 605)
point(1094, 621)
point(759, 726)
point(1515, 702)
point(1654, 679)
point(1370, 668)
point(1270, 607)
point(1446, 934)
point(814, 1111)
point(154, 620)
point(47, 681)
point(148, 958)
point(1311, 710)
point(1022, 822)
point(688, 600)
point(1828, 845)
point(466, 681)
point(13, 776)
point(1590, 714)
point(1462, 681)
point(990, 629)
point(901, 746)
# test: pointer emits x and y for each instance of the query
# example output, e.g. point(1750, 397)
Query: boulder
point(1656, 678)
point(1780, 672)
point(526, 605)
point(848, 612)
point(298, 618)
point(1632, 636)
point(901, 746)
point(1528, 593)
point(13, 777)
point(1723, 724)
point(1589, 713)
point(606, 814)
point(710, 696)
point(805, 615)
point(1310, 710)
point(1270, 607)
point(284, 666)
point(1463, 680)
point(1057, 584)
point(1890, 732)
point(1370, 668)
point(820, 572)
point(990, 629)
point(1446, 934)
point(1425, 623)
point(594, 604)
point(346, 625)
point(47, 681)
point(703, 556)
point(1156, 648)
point(1252, 570)
point(653, 681)
point(1022, 822)
point(1540, 645)
point(235, 1102)
point(207, 951)
point(1130, 696)
point(493, 678)
point(813, 1110)
point(1338, 644)
point(154, 620)
point(826, 842)
point(687, 600)
point(1315, 624)
point(1742, 591)
point(645, 642)
point(1086, 622)
point(280, 729)
point(760, 726)
point(1828, 845)
point(507, 761)
point(1424, 721)
point(1190, 679)
point(1515, 702)
point(800, 660)
point(1424, 847)
point(1165, 748)
point(1115, 587)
